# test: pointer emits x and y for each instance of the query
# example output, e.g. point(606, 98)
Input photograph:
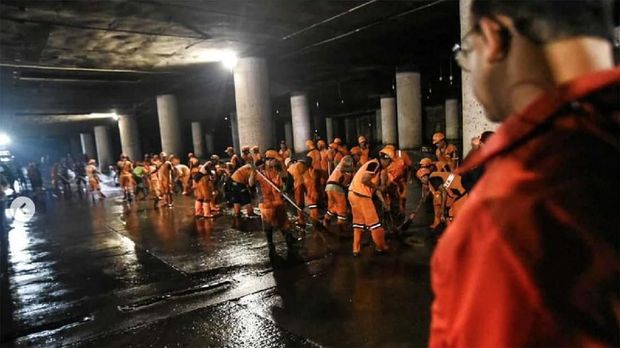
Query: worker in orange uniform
point(93, 180)
point(423, 173)
point(336, 190)
point(325, 170)
point(255, 153)
point(246, 155)
point(362, 150)
point(284, 151)
point(305, 188)
point(194, 166)
point(317, 170)
point(271, 203)
point(398, 176)
point(203, 191)
point(165, 174)
point(371, 178)
point(128, 184)
point(242, 181)
point(449, 195)
point(337, 151)
point(446, 153)
point(153, 177)
point(234, 158)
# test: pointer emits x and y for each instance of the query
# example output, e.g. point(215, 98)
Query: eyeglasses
point(461, 51)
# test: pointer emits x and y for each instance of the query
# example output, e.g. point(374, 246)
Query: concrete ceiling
point(119, 54)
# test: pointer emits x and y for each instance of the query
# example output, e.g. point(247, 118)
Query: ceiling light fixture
point(4, 139)
point(229, 59)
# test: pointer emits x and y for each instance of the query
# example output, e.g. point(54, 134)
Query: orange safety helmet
point(389, 152)
point(422, 172)
point(426, 162)
point(272, 154)
point(437, 137)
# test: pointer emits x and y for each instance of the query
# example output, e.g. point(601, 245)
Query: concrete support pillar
point(350, 131)
point(329, 129)
point(234, 127)
point(300, 116)
point(389, 130)
point(474, 118)
point(169, 124)
point(104, 148)
point(288, 134)
point(452, 119)
point(210, 143)
point(253, 104)
point(378, 135)
point(409, 102)
point(198, 140)
point(130, 139)
point(88, 145)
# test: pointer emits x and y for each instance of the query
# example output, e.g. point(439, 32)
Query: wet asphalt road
point(112, 274)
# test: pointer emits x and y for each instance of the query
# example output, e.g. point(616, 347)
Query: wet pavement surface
point(113, 274)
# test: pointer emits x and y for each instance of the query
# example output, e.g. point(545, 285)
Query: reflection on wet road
point(110, 274)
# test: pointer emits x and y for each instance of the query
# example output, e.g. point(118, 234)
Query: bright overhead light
point(4, 139)
point(229, 59)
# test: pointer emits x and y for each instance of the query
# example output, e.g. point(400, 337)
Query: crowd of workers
point(356, 187)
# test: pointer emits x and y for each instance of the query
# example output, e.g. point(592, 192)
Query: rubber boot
point(270, 245)
point(378, 237)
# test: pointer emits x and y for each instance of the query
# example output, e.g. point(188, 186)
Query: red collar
point(521, 124)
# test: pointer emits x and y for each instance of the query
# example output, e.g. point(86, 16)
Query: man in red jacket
point(532, 259)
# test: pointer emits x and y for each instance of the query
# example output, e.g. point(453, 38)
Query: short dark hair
point(544, 21)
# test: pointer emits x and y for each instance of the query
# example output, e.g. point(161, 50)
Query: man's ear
point(490, 31)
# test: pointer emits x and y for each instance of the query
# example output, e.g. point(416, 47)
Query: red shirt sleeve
point(483, 295)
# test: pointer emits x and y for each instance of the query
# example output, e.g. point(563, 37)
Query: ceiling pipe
point(70, 80)
point(60, 68)
point(359, 29)
point(84, 27)
point(325, 21)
